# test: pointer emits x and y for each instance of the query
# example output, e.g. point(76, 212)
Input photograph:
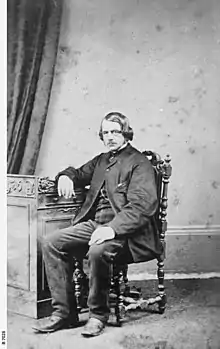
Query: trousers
point(59, 248)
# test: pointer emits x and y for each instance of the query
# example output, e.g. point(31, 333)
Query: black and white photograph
point(112, 173)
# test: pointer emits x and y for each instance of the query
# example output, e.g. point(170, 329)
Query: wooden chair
point(122, 297)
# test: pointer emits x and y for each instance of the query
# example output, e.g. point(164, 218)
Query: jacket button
point(107, 169)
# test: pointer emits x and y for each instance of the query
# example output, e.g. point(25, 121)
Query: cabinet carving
point(34, 209)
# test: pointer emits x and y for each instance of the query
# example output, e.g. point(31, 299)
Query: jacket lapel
point(111, 162)
point(122, 154)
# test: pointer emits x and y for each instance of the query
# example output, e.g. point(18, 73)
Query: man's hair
point(123, 121)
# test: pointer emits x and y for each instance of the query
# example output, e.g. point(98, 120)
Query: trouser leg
point(100, 258)
point(58, 250)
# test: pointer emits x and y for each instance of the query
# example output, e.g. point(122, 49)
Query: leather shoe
point(94, 327)
point(55, 323)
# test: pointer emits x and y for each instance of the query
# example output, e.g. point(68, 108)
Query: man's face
point(112, 136)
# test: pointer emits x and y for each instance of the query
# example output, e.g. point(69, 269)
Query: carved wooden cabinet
point(34, 210)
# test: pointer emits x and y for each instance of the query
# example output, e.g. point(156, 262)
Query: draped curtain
point(33, 28)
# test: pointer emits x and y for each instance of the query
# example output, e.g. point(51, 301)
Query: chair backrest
point(163, 171)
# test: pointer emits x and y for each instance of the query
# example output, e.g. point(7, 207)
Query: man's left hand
point(102, 234)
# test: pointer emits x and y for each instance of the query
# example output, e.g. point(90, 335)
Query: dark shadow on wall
point(33, 29)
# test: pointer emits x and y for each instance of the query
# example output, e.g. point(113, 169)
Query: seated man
point(117, 214)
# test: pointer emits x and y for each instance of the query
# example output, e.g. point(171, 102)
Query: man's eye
point(114, 132)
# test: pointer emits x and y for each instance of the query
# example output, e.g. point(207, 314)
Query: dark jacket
point(131, 188)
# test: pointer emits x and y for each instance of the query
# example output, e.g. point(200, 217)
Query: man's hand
point(65, 187)
point(102, 234)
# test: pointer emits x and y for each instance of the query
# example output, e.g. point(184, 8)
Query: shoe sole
point(87, 335)
point(64, 327)
point(44, 331)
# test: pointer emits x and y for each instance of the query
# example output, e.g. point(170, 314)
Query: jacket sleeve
point(142, 201)
point(81, 176)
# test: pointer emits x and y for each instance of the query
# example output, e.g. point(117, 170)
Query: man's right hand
point(65, 187)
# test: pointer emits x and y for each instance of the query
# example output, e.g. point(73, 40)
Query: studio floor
point(191, 321)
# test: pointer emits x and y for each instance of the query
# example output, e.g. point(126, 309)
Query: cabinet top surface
point(41, 189)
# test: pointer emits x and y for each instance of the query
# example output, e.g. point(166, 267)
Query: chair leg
point(117, 291)
point(125, 279)
point(161, 289)
point(119, 305)
point(78, 276)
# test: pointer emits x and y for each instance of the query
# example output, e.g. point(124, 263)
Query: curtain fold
point(33, 35)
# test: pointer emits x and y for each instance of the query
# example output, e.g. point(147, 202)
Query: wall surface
point(157, 61)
